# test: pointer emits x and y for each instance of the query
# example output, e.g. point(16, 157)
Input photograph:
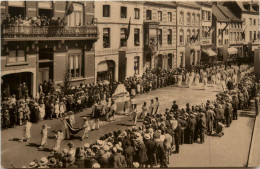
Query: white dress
point(42, 111)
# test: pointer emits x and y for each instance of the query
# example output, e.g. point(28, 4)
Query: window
point(250, 21)
point(137, 65)
point(209, 15)
point(181, 17)
point(198, 20)
point(159, 15)
point(250, 35)
point(181, 37)
point(75, 65)
point(169, 17)
point(76, 17)
point(198, 34)
point(123, 12)
point(203, 15)
point(231, 36)
point(235, 36)
point(160, 36)
point(16, 56)
point(235, 25)
point(193, 34)
point(123, 42)
point(188, 18)
point(106, 37)
point(148, 15)
point(169, 36)
point(254, 35)
point(203, 31)
point(226, 31)
point(254, 22)
point(182, 59)
point(188, 35)
point(137, 37)
point(238, 36)
point(170, 56)
point(193, 19)
point(106, 10)
point(137, 13)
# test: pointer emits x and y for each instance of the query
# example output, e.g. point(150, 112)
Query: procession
point(130, 84)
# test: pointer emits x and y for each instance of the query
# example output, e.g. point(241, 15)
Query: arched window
point(76, 17)
point(198, 19)
point(188, 35)
point(181, 37)
point(193, 19)
point(193, 33)
point(188, 18)
point(181, 19)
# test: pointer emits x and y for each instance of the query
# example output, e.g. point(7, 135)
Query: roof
point(164, 3)
point(242, 3)
point(219, 14)
point(190, 4)
point(229, 14)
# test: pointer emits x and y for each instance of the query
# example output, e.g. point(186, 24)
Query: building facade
point(188, 26)
point(159, 35)
point(41, 50)
point(118, 50)
point(207, 54)
point(220, 37)
point(248, 12)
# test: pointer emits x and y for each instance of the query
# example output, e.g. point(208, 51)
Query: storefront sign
point(116, 50)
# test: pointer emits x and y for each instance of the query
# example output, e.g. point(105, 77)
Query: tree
point(66, 82)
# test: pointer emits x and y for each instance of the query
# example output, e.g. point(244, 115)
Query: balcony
point(40, 33)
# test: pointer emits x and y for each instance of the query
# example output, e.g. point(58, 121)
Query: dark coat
point(142, 153)
point(219, 113)
point(191, 124)
point(151, 149)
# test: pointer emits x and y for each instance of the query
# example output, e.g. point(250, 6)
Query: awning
point(209, 52)
point(102, 66)
point(232, 51)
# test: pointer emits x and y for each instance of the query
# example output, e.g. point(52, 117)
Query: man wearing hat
point(129, 153)
point(151, 150)
point(43, 163)
point(191, 128)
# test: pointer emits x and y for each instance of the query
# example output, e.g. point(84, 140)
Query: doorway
point(16, 11)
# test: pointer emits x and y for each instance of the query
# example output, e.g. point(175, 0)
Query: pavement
point(254, 156)
point(229, 150)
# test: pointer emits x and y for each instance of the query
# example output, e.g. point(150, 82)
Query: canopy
point(102, 66)
point(232, 51)
point(120, 92)
point(209, 52)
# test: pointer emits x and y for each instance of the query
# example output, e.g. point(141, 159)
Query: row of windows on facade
point(46, 9)
point(123, 39)
point(123, 13)
point(191, 19)
point(220, 42)
point(251, 22)
point(255, 35)
point(205, 31)
point(189, 35)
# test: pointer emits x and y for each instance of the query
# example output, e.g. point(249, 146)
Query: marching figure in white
point(27, 131)
point(44, 133)
point(58, 138)
point(86, 128)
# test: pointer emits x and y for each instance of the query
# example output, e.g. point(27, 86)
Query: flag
point(128, 30)
point(206, 33)
point(243, 33)
point(197, 36)
point(69, 8)
point(224, 29)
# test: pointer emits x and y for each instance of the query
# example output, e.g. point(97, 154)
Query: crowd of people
point(161, 133)
point(16, 109)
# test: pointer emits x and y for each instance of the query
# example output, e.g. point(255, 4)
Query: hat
point(32, 164)
point(106, 147)
point(118, 147)
point(52, 161)
point(137, 134)
point(100, 143)
point(85, 118)
point(110, 144)
point(43, 161)
point(87, 145)
point(147, 136)
point(96, 165)
point(70, 144)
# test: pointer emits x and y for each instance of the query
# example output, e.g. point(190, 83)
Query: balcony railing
point(89, 31)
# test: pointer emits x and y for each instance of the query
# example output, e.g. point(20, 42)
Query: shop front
point(106, 70)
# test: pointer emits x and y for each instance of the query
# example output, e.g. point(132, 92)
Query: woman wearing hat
point(86, 128)
point(44, 133)
point(27, 131)
point(58, 138)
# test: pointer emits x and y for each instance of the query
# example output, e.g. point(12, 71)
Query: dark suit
point(191, 128)
point(235, 108)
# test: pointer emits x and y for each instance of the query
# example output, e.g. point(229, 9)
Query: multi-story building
point(220, 36)
point(248, 12)
point(189, 23)
point(206, 32)
point(235, 33)
point(159, 35)
point(33, 53)
point(120, 46)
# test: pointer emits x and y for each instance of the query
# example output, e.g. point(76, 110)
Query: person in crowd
point(95, 116)
point(157, 106)
point(27, 131)
point(134, 115)
point(86, 128)
point(44, 133)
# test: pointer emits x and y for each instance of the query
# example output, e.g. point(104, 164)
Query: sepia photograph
point(130, 84)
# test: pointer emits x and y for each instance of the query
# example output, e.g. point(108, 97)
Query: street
point(229, 150)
